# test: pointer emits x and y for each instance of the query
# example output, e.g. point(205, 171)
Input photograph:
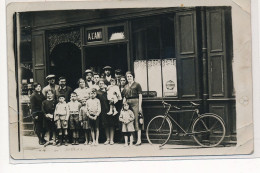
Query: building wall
point(203, 50)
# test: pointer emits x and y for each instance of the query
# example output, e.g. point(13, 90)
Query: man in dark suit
point(63, 89)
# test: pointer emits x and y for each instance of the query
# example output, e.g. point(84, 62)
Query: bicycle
point(208, 129)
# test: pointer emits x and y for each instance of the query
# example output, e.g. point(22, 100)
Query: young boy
point(74, 107)
point(93, 111)
point(48, 107)
point(61, 116)
point(84, 119)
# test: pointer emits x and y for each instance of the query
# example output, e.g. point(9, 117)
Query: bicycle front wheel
point(208, 130)
point(159, 130)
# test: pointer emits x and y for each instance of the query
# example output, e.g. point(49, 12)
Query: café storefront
point(178, 54)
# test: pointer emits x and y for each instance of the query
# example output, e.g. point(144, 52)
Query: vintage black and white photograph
point(130, 82)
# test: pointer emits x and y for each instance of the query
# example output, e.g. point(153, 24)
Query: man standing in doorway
point(118, 74)
point(63, 89)
point(51, 86)
point(89, 75)
point(96, 79)
point(107, 71)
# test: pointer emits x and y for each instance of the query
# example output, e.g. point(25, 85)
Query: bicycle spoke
point(158, 130)
point(208, 130)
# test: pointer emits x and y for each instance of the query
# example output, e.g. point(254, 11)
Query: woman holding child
point(108, 121)
point(132, 94)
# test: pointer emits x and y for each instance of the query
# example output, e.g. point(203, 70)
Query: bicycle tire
point(159, 130)
point(208, 130)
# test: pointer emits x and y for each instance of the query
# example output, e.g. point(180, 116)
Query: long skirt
point(134, 105)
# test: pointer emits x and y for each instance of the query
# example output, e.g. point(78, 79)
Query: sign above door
point(95, 35)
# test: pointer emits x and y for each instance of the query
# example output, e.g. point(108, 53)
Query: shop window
point(154, 61)
point(116, 33)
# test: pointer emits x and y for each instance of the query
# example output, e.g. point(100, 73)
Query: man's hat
point(50, 76)
point(118, 71)
point(88, 71)
point(107, 68)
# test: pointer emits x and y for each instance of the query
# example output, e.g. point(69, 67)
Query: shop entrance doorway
point(113, 55)
point(65, 60)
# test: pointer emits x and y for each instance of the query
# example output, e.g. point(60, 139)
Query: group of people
point(98, 102)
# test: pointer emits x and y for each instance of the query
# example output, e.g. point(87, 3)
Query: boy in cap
point(52, 86)
point(48, 107)
point(61, 117)
point(74, 107)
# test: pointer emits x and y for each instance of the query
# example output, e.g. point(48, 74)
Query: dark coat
point(87, 84)
point(36, 100)
point(66, 92)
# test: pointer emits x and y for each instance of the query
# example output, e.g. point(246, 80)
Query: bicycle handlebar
point(168, 104)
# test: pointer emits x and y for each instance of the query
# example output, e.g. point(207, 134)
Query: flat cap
point(50, 76)
point(88, 71)
point(118, 71)
point(107, 67)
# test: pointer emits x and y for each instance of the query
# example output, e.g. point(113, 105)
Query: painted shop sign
point(94, 35)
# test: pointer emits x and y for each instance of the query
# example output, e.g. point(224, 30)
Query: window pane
point(155, 76)
point(140, 70)
point(153, 43)
point(168, 40)
point(169, 77)
point(116, 33)
point(139, 45)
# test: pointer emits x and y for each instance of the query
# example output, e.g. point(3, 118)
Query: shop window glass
point(116, 33)
point(154, 62)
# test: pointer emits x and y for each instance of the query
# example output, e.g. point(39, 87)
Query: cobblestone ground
point(32, 150)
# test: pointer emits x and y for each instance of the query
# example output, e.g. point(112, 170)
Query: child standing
point(61, 116)
point(74, 107)
point(113, 95)
point(84, 119)
point(127, 118)
point(48, 107)
point(93, 111)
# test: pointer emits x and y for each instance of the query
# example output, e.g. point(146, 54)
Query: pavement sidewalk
point(32, 150)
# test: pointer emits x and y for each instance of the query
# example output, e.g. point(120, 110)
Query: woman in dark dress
point(108, 121)
point(36, 100)
point(132, 94)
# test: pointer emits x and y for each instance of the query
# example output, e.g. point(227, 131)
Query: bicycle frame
point(194, 116)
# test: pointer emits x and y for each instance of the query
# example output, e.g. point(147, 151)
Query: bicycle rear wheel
point(208, 130)
point(159, 130)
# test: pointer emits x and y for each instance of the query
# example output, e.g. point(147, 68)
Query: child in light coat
point(127, 118)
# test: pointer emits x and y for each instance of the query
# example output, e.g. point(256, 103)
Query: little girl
point(127, 118)
point(84, 119)
point(113, 95)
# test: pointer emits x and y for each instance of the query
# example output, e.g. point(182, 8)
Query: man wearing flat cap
point(51, 86)
point(89, 78)
point(63, 89)
point(107, 71)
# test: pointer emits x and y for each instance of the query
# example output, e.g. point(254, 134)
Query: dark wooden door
point(39, 57)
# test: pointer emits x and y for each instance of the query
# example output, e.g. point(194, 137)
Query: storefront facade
point(178, 54)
